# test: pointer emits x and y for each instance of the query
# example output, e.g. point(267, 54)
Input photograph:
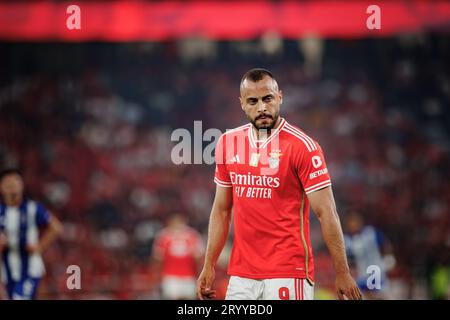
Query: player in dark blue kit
point(370, 253)
point(26, 230)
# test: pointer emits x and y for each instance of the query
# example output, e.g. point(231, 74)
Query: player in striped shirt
point(370, 254)
point(21, 240)
point(270, 173)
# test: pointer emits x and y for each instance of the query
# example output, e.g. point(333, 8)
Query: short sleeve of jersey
point(380, 238)
point(42, 216)
point(2, 217)
point(221, 176)
point(312, 169)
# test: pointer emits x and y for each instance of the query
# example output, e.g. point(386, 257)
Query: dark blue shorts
point(25, 289)
point(362, 284)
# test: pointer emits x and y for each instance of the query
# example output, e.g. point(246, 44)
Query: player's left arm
point(52, 230)
point(157, 257)
point(323, 205)
point(3, 241)
point(3, 244)
point(386, 249)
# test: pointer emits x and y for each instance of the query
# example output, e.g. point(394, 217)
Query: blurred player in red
point(269, 173)
point(178, 250)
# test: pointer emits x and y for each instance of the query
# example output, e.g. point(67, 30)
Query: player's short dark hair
point(256, 75)
point(8, 171)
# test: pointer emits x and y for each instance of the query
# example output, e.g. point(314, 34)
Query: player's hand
point(346, 287)
point(204, 284)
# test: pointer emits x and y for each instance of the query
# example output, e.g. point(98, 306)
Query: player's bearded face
point(264, 121)
point(261, 103)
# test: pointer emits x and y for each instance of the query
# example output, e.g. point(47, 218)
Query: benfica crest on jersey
point(274, 160)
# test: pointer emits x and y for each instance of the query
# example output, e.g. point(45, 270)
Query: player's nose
point(261, 107)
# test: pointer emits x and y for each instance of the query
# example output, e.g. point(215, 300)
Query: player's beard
point(269, 125)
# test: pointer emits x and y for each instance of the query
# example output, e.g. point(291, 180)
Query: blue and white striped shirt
point(364, 248)
point(21, 227)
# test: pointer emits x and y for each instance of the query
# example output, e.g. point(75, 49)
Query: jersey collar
point(254, 143)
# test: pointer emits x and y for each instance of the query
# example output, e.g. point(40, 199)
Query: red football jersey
point(178, 250)
point(270, 181)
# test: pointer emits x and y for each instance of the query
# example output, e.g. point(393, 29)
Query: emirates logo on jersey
point(254, 186)
point(254, 180)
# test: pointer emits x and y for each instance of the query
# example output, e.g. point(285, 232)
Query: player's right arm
point(3, 241)
point(3, 244)
point(219, 225)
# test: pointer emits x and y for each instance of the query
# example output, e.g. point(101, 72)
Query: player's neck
point(264, 134)
point(13, 201)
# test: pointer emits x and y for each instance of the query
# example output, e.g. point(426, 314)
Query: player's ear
point(280, 93)
point(242, 103)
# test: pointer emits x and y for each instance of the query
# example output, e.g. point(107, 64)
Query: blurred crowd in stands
point(90, 127)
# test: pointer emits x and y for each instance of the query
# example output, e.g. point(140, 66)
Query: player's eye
point(267, 98)
point(252, 101)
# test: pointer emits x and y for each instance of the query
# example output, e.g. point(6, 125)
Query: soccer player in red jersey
point(177, 250)
point(269, 173)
